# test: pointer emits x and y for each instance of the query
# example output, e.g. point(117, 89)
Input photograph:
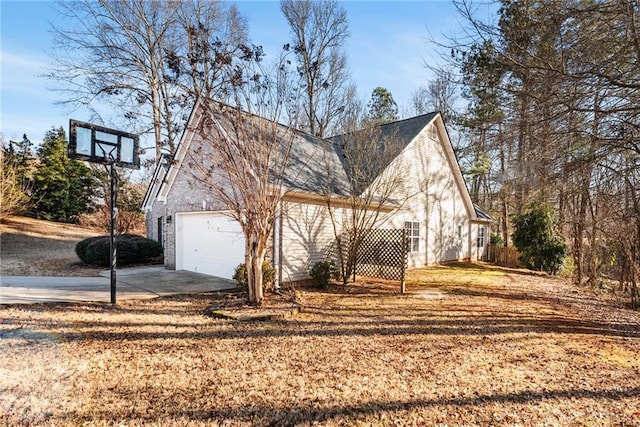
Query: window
point(459, 232)
point(433, 132)
point(413, 235)
point(481, 237)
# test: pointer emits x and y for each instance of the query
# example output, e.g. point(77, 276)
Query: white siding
point(478, 253)
point(307, 237)
point(432, 196)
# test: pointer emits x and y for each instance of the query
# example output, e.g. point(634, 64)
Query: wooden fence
point(504, 256)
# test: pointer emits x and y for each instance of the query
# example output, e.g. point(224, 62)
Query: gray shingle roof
point(392, 138)
point(317, 165)
point(314, 166)
point(480, 214)
point(405, 130)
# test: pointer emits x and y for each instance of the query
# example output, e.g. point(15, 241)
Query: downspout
point(277, 245)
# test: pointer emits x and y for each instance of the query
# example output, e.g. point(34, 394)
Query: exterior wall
point(154, 232)
point(431, 196)
point(428, 193)
point(187, 194)
point(307, 238)
point(480, 232)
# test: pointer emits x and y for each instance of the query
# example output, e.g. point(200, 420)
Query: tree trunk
point(257, 252)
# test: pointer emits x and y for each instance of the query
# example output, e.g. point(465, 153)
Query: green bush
point(322, 272)
point(131, 249)
point(496, 239)
point(81, 246)
point(537, 238)
point(268, 275)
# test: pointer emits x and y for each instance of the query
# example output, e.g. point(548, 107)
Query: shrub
point(81, 246)
point(496, 239)
point(268, 275)
point(322, 272)
point(131, 249)
point(537, 239)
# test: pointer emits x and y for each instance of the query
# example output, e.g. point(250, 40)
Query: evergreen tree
point(382, 107)
point(62, 188)
point(20, 154)
point(536, 237)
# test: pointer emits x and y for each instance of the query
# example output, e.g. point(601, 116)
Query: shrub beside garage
point(131, 249)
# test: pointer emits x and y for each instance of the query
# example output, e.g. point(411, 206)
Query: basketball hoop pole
point(112, 242)
point(110, 147)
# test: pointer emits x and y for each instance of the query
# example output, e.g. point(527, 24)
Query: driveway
point(131, 283)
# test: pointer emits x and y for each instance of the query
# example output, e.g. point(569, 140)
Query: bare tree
point(148, 59)
point(15, 186)
point(420, 101)
point(372, 187)
point(553, 93)
point(441, 94)
point(244, 160)
point(319, 31)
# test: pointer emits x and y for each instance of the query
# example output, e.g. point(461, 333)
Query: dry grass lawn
point(31, 247)
point(471, 345)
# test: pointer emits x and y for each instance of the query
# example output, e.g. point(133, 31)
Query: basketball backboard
point(97, 144)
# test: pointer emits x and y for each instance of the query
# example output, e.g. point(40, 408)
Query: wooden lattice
point(381, 254)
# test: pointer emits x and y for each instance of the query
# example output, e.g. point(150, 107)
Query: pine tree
point(382, 107)
point(62, 188)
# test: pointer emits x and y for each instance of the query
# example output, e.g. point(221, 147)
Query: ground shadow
point(310, 413)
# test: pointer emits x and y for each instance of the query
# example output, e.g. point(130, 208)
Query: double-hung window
point(480, 237)
point(413, 235)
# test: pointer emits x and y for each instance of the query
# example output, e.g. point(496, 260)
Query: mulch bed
point(234, 305)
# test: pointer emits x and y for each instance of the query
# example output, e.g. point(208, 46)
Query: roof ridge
point(410, 118)
point(394, 123)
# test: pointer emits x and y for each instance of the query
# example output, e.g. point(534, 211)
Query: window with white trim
point(413, 235)
point(481, 236)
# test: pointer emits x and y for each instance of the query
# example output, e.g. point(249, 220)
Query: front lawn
point(467, 345)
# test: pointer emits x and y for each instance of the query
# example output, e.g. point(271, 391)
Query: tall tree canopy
point(553, 116)
point(319, 31)
point(148, 59)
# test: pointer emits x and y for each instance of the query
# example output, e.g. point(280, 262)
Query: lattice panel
point(382, 254)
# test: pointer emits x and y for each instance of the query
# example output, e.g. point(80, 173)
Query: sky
point(388, 47)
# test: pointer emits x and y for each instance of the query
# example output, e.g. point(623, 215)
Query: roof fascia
point(151, 188)
point(334, 202)
point(445, 141)
point(181, 152)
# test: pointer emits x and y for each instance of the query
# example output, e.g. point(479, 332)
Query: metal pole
point(112, 241)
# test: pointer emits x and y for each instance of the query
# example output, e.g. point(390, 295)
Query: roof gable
point(392, 138)
point(313, 165)
point(317, 165)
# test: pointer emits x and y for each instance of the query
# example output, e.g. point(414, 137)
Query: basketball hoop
point(97, 144)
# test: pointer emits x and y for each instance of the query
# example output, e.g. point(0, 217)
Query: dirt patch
point(513, 349)
point(31, 247)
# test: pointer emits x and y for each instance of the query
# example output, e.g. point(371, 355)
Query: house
point(431, 202)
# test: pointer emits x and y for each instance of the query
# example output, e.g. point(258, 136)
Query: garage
point(209, 243)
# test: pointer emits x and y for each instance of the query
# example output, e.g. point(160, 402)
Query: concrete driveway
point(131, 283)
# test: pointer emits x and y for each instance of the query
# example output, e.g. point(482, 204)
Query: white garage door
point(208, 243)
